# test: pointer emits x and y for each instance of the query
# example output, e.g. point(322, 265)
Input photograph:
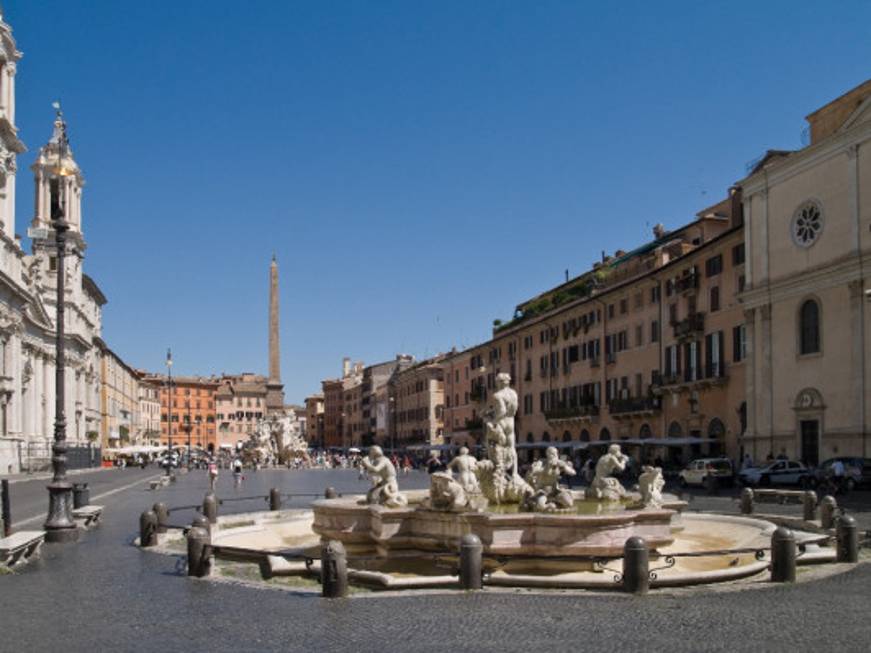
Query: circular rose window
point(807, 224)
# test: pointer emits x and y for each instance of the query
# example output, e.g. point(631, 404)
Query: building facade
point(417, 395)
point(148, 428)
point(190, 415)
point(808, 236)
point(119, 400)
point(240, 402)
point(314, 417)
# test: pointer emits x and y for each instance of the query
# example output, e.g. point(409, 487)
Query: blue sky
point(418, 168)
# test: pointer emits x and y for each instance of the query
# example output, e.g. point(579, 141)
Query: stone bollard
point(201, 522)
point(162, 513)
point(274, 499)
point(636, 566)
point(330, 493)
point(783, 555)
point(828, 507)
point(334, 570)
point(148, 528)
point(210, 508)
point(471, 566)
point(81, 495)
point(809, 505)
point(199, 553)
point(746, 501)
point(848, 540)
point(712, 484)
point(172, 478)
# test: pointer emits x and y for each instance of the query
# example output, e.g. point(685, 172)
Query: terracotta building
point(240, 401)
point(314, 417)
point(193, 405)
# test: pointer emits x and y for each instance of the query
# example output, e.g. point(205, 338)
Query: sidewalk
point(41, 476)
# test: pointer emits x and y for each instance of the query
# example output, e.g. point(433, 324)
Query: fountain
point(533, 517)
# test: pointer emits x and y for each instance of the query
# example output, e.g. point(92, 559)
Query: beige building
point(417, 397)
point(808, 215)
point(240, 402)
point(148, 427)
point(314, 419)
point(119, 400)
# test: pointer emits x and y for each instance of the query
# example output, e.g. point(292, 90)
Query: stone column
point(750, 378)
point(766, 376)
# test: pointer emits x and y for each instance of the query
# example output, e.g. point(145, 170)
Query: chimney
point(346, 367)
point(658, 231)
point(737, 209)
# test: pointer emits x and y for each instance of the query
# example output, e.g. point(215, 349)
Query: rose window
point(807, 223)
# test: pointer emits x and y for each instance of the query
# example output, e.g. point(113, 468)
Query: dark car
point(857, 471)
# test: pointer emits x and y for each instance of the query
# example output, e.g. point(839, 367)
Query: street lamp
point(189, 426)
point(169, 394)
point(59, 525)
point(392, 401)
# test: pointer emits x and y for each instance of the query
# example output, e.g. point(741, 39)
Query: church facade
point(28, 301)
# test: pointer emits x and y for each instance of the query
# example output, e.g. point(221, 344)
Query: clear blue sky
point(418, 167)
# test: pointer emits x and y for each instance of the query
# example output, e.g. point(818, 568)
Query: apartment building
point(148, 428)
point(341, 417)
point(240, 402)
point(808, 236)
point(375, 399)
point(417, 395)
point(192, 411)
point(314, 417)
point(119, 399)
point(641, 346)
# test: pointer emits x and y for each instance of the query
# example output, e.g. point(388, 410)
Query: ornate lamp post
point(59, 524)
point(189, 426)
point(169, 427)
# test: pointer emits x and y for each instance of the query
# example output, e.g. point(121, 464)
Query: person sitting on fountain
point(464, 465)
point(604, 486)
point(544, 478)
point(499, 422)
point(385, 489)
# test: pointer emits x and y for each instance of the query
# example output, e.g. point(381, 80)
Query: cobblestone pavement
point(103, 594)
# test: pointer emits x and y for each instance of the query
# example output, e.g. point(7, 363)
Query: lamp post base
point(60, 527)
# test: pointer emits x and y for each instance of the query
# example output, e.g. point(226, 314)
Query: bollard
point(330, 493)
point(148, 528)
point(848, 540)
point(198, 552)
point(783, 554)
point(471, 566)
point(274, 499)
point(636, 566)
point(334, 570)
point(712, 484)
point(81, 495)
point(809, 503)
point(747, 501)
point(201, 522)
point(162, 513)
point(6, 514)
point(172, 478)
point(828, 507)
point(210, 508)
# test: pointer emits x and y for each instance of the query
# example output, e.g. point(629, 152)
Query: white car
point(698, 471)
point(780, 472)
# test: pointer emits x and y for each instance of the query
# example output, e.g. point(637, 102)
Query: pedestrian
point(747, 462)
point(838, 474)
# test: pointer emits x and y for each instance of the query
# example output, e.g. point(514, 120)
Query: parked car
point(857, 471)
point(698, 471)
point(779, 472)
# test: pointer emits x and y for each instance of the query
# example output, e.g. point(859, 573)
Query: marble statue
point(544, 478)
point(445, 493)
point(498, 476)
point(464, 465)
point(650, 484)
point(385, 489)
point(604, 485)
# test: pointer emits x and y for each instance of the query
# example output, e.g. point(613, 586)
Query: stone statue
point(464, 465)
point(498, 475)
point(445, 493)
point(650, 484)
point(385, 489)
point(604, 485)
point(544, 478)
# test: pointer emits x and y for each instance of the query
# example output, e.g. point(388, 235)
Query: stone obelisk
point(274, 387)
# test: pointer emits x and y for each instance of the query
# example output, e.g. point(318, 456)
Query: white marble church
point(28, 299)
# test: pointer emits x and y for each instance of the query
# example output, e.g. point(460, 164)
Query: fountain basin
point(389, 532)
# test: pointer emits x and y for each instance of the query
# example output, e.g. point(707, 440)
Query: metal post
point(828, 507)
point(7, 511)
point(210, 508)
point(809, 503)
point(59, 524)
point(201, 522)
point(169, 423)
point(148, 528)
point(712, 484)
point(198, 552)
point(162, 513)
point(274, 499)
point(783, 555)
point(330, 493)
point(334, 570)
point(848, 539)
point(747, 501)
point(471, 566)
point(636, 566)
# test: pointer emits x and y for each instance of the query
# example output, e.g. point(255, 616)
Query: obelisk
point(274, 387)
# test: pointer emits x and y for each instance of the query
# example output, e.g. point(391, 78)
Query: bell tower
point(10, 146)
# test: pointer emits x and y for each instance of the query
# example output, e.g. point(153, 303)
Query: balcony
point(632, 407)
point(585, 412)
point(686, 328)
point(596, 362)
point(611, 358)
point(476, 424)
point(477, 394)
point(688, 281)
point(712, 374)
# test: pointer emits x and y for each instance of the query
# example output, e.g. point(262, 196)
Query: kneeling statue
point(650, 484)
point(544, 478)
point(385, 489)
point(604, 485)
